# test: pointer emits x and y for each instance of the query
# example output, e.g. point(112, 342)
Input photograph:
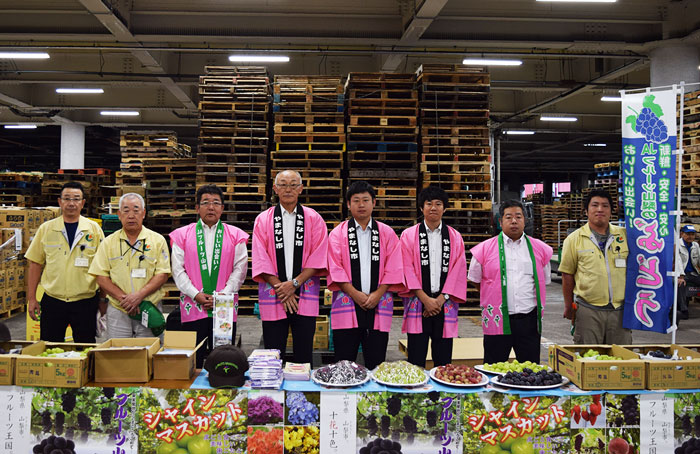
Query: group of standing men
point(363, 260)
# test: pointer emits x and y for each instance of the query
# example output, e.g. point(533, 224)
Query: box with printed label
point(125, 360)
point(10, 350)
point(15, 218)
point(594, 374)
point(176, 360)
point(662, 373)
point(34, 370)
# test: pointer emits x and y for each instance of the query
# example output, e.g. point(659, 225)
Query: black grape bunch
point(648, 122)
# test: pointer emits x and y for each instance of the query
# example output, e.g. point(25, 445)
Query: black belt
point(521, 316)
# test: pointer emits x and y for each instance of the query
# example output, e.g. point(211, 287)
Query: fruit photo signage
point(649, 182)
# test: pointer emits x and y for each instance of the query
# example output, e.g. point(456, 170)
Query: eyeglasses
point(509, 217)
point(215, 203)
point(66, 199)
point(288, 186)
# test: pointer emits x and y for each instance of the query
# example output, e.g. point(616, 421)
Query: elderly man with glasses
point(290, 243)
point(208, 256)
point(131, 266)
point(60, 256)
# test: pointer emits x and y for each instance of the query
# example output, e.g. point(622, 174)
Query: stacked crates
point(21, 189)
point(690, 177)
point(170, 193)
point(607, 178)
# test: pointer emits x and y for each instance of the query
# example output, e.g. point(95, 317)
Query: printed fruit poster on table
point(265, 422)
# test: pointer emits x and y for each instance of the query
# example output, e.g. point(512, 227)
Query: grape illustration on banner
point(648, 122)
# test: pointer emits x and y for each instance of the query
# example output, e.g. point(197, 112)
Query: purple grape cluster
point(54, 445)
point(651, 126)
point(301, 411)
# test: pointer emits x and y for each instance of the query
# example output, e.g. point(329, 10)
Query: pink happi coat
point(186, 239)
point(455, 283)
point(339, 270)
point(314, 255)
point(490, 293)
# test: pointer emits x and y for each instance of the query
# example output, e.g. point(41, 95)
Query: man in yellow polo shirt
point(60, 256)
point(131, 266)
point(594, 268)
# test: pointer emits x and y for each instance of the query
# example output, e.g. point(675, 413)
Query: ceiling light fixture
point(80, 90)
point(595, 144)
point(611, 98)
point(552, 118)
point(520, 133)
point(21, 126)
point(260, 58)
point(25, 55)
point(491, 62)
point(120, 113)
point(578, 1)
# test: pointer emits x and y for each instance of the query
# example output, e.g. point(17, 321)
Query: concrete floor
point(555, 328)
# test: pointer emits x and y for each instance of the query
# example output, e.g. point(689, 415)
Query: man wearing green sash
point(511, 271)
point(208, 256)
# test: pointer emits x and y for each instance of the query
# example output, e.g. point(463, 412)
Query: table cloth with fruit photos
point(373, 419)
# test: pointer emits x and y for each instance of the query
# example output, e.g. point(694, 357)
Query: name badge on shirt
point(82, 262)
point(138, 272)
point(620, 263)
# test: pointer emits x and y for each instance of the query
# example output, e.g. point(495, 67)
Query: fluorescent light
point(123, 113)
point(20, 126)
point(491, 62)
point(30, 55)
point(579, 1)
point(611, 98)
point(595, 144)
point(551, 118)
point(520, 133)
point(79, 90)
point(260, 58)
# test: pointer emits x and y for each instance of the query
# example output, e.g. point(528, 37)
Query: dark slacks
point(440, 347)
point(56, 315)
point(374, 342)
point(691, 279)
point(303, 328)
point(204, 328)
point(524, 339)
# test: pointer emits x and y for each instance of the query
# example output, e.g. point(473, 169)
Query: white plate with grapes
point(484, 380)
point(497, 381)
point(487, 370)
point(320, 382)
point(400, 385)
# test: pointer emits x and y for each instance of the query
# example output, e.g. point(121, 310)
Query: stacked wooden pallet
point(21, 189)
point(607, 177)
point(550, 217)
point(310, 138)
point(93, 181)
point(382, 136)
point(234, 131)
point(537, 200)
point(574, 204)
point(690, 176)
point(170, 193)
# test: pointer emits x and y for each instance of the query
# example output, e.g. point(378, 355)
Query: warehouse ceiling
point(147, 56)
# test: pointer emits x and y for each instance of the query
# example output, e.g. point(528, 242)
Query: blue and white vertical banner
point(649, 179)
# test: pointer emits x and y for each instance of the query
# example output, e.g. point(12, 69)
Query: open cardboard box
point(125, 360)
point(34, 370)
point(177, 359)
point(7, 361)
point(593, 374)
point(670, 374)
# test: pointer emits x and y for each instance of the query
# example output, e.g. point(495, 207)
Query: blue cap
point(688, 229)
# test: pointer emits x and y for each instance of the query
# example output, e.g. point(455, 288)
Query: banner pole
point(676, 242)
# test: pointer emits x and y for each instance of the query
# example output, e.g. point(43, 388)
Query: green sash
point(209, 276)
point(504, 284)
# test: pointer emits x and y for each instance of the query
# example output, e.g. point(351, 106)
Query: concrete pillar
point(674, 63)
point(72, 146)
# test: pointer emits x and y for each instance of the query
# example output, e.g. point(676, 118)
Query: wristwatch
point(295, 283)
point(446, 296)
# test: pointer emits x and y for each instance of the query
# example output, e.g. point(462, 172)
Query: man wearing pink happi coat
point(364, 268)
point(290, 245)
point(434, 267)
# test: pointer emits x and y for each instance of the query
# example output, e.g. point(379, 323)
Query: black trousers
point(204, 328)
point(691, 279)
point(303, 328)
point(347, 341)
point(56, 315)
point(524, 339)
point(441, 348)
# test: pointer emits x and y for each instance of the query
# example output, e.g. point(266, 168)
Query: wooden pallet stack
point(234, 133)
point(550, 217)
point(170, 193)
point(309, 136)
point(607, 177)
point(537, 200)
point(690, 177)
point(21, 189)
point(93, 181)
point(382, 136)
point(574, 204)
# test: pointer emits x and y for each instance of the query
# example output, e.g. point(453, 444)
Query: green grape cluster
point(58, 352)
point(515, 366)
point(594, 354)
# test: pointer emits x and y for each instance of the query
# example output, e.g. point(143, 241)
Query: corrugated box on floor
point(322, 325)
point(16, 218)
point(34, 370)
point(670, 374)
point(593, 374)
point(7, 360)
point(176, 360)
point(125, 360)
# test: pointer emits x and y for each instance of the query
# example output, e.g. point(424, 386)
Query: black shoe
point(683, 315)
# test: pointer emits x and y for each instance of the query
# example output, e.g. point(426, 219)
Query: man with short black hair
point(207, 256)
point(511, 271)
point(594, 270)
point(60, 255)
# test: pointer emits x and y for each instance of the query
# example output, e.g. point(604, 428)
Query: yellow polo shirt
point(65, 275)
point(596, 274)
point(123, 264)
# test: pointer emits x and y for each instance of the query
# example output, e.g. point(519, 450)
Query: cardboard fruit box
point(7, 359)
point(125, 360)
point(34, 370)
point(670, 374)
point(591, 374)
point(177, 359)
